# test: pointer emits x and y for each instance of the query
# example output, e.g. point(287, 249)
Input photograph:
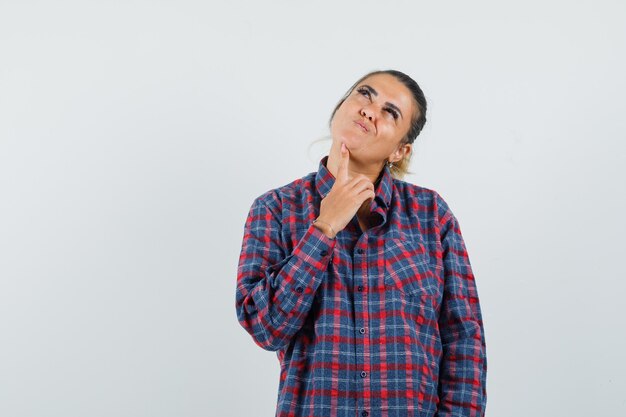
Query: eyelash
point(364, 92)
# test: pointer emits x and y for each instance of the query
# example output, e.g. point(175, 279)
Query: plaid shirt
point(384, 322)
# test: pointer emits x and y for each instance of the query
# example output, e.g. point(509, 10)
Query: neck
point(354, 168)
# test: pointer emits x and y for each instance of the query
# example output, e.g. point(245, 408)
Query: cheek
point(335, 123)
point(337, 126)
point(401, 130)
point(340, 117)
point(391, 132)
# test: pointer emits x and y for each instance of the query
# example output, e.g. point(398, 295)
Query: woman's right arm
point(275, 289)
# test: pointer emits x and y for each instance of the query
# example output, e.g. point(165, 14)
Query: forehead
point(390, 89)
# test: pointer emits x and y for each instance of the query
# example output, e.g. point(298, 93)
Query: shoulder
point(295, 190)
point(425, 200)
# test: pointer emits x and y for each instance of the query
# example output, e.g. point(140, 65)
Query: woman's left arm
point(463, 369)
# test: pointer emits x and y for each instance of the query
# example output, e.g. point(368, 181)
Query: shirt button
point(364, 413)
point(362, 330)
point(363, 374)
point(360, 288)
point(298, 289)
point(359, 250)
point(324, 253)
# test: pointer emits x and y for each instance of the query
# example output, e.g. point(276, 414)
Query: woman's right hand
point(345, 197)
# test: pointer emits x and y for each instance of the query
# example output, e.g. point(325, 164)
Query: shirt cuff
point(309, 260)
point(315, 248)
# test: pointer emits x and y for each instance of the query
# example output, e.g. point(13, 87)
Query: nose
point(367, 112)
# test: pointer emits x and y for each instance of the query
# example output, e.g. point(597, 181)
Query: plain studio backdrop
point(135, 135)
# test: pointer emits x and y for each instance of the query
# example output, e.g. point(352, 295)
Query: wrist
point(325, 227)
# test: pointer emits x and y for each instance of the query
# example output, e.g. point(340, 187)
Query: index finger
point(342, 171)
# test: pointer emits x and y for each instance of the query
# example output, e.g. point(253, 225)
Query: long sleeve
point(463, 368)
point(275, 289)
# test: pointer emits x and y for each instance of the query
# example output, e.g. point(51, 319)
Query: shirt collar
point(324, 181)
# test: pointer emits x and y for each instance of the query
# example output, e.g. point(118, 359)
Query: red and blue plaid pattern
point(378, 323)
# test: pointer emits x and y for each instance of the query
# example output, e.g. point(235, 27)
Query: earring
point(389, 164)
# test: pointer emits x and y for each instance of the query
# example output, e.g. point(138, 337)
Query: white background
point(134, 136)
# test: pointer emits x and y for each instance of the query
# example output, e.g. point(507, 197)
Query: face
point(373, 119)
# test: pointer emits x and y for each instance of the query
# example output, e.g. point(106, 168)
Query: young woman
point(361, 281)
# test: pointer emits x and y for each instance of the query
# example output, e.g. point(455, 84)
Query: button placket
point(360, 274)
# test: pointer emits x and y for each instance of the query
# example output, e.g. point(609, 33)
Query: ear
point(402, 151)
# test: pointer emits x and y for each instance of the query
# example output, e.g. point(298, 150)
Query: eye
point(393, 112)
point(364, 91)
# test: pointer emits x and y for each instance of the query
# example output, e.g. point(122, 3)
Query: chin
point(350, 139)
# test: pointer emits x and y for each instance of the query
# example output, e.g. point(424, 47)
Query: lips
point(361, 125)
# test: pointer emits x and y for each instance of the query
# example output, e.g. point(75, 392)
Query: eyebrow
point(393, 106)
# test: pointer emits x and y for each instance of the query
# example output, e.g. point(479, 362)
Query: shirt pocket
point(408, 269)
